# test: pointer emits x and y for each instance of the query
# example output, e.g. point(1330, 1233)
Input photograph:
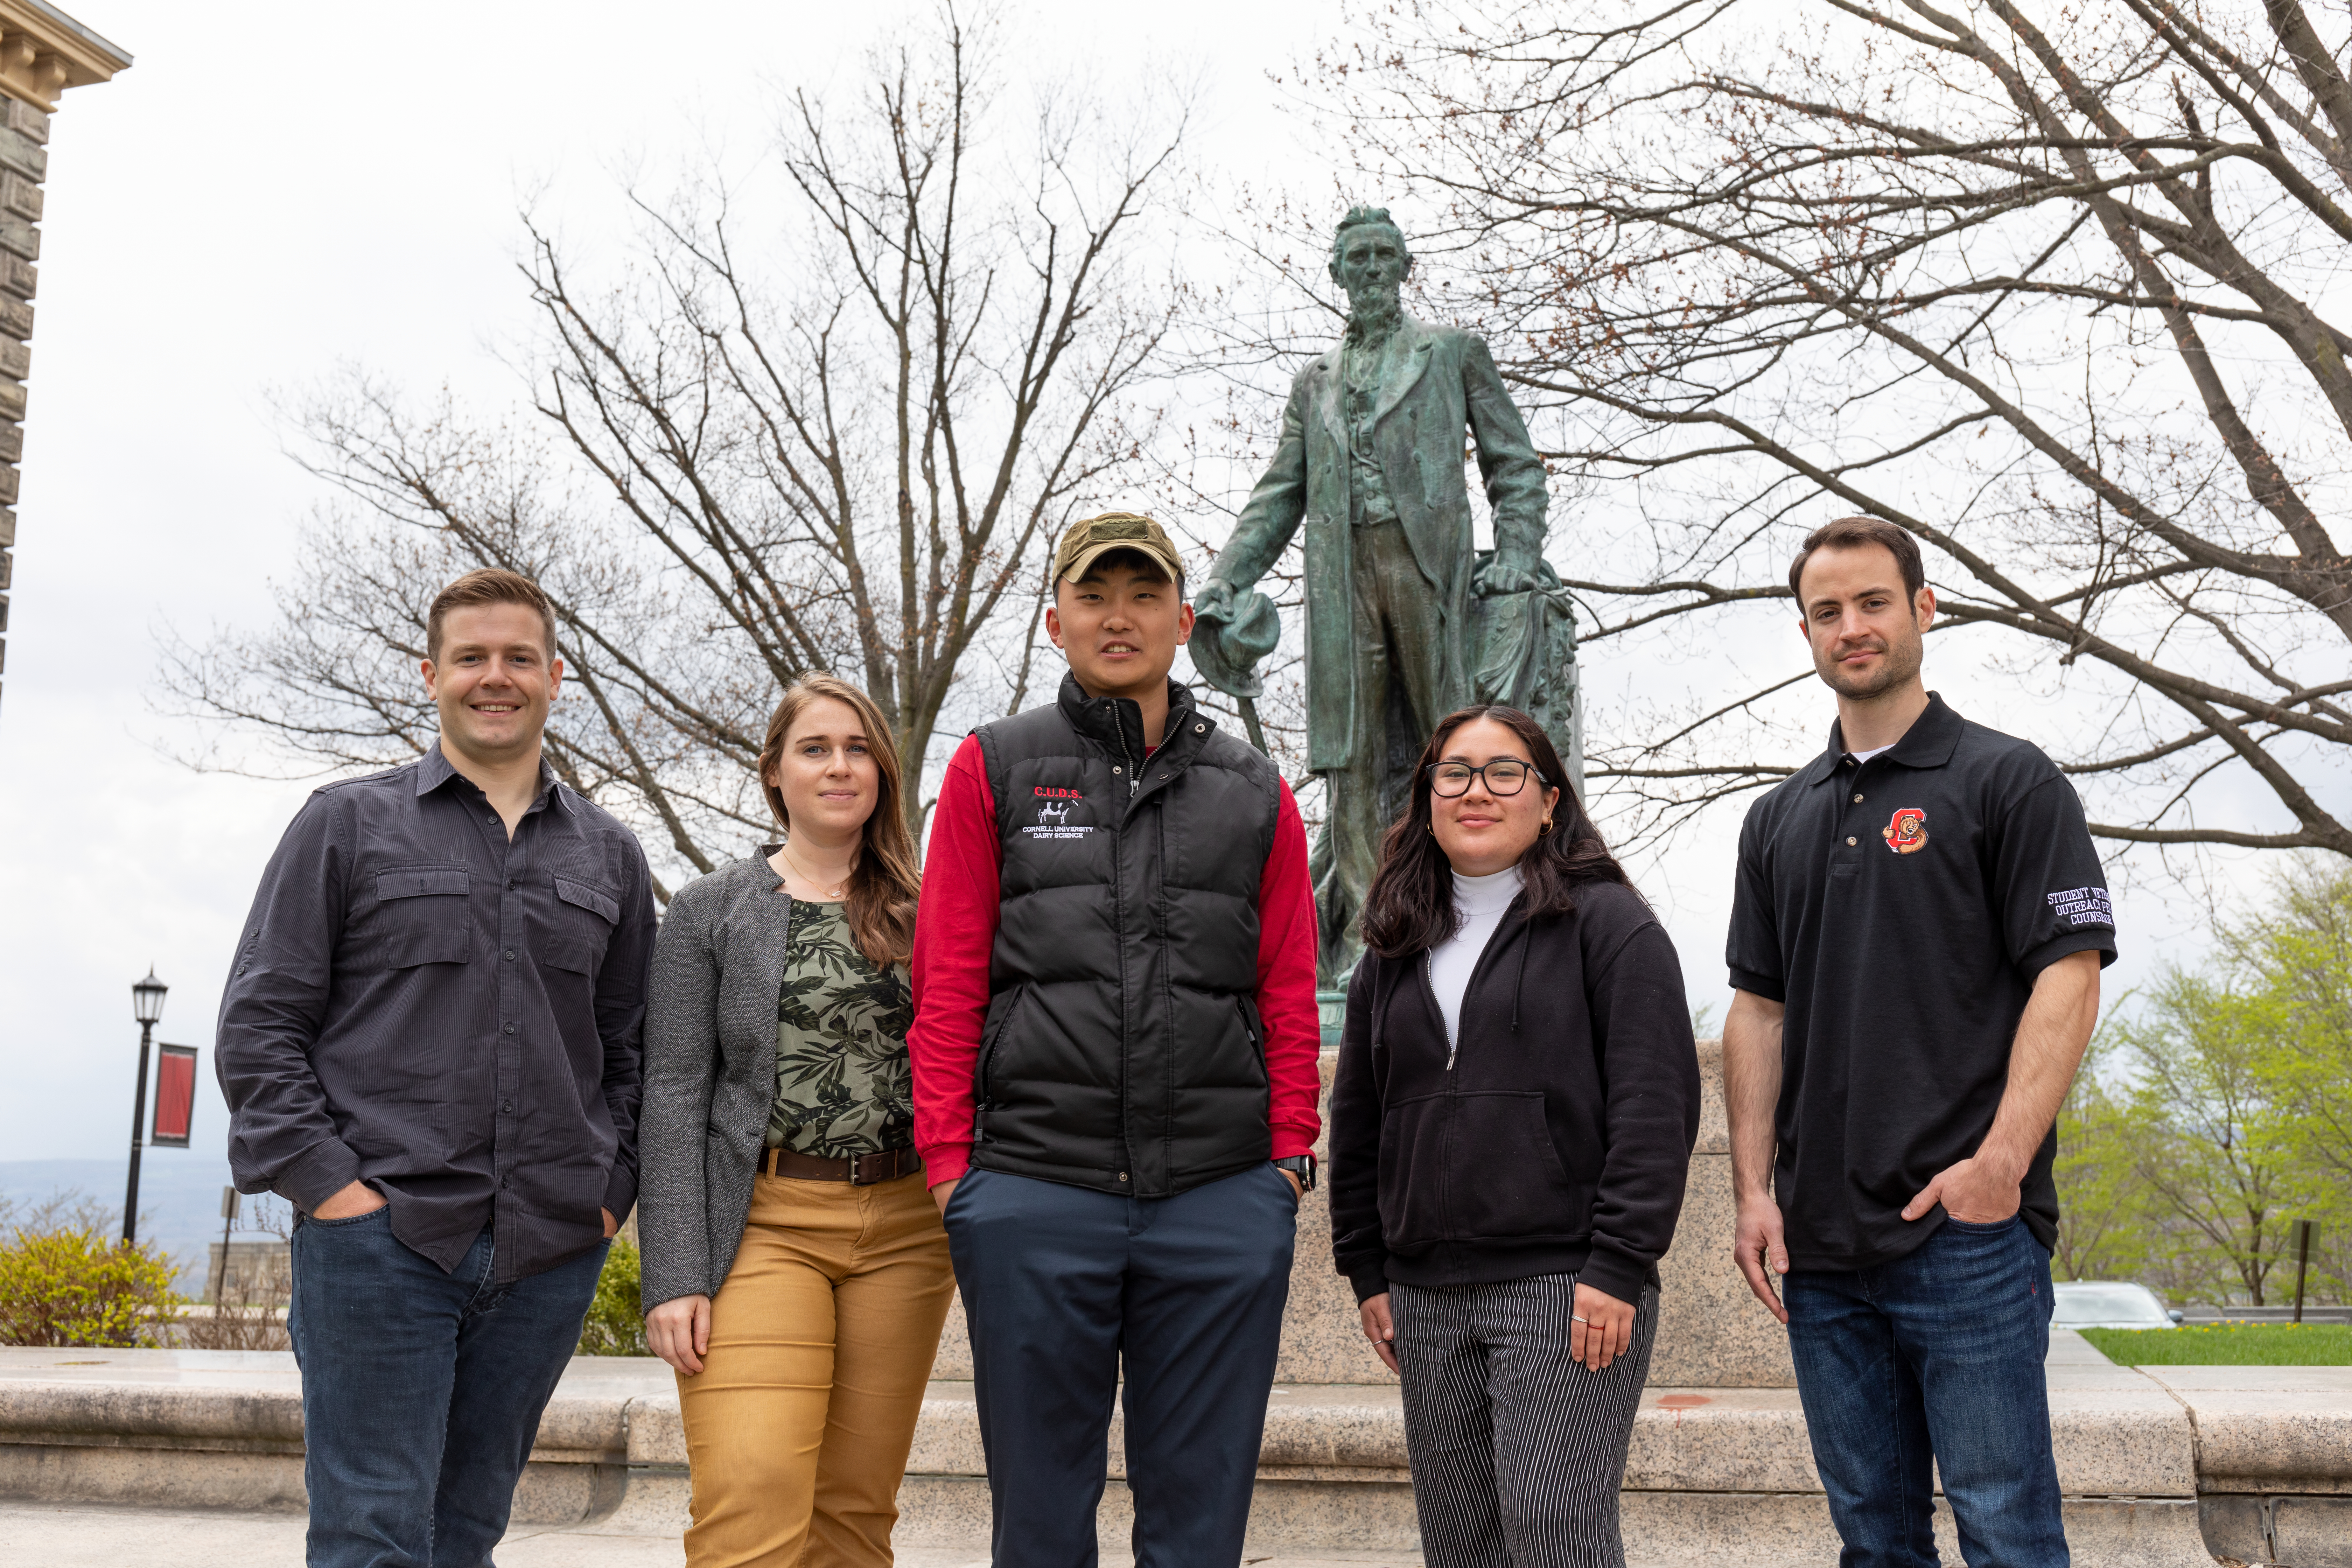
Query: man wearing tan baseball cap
point(1091, 538)
point(1116, 895)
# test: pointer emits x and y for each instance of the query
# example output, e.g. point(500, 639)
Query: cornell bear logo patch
point(1908, 832)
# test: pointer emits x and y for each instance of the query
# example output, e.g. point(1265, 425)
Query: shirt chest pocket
point(426, 914)
point(584, 920)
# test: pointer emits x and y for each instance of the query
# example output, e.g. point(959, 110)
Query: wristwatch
point(1301, 1166)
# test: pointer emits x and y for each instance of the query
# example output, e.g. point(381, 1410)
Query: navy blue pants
point(1060, 1284)
point(421, 1391)
point(1937, 1354)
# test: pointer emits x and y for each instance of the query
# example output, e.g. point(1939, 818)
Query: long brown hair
point(1410, 907)
point(882, 888)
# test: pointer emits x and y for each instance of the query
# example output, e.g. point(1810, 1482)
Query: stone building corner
point(44, 53)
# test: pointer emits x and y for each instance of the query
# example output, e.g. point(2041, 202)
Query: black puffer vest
point(1123, 1049)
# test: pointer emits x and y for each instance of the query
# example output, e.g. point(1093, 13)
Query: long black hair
point(1410, 907)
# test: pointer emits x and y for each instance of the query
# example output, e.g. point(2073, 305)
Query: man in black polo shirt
point(1915, 945)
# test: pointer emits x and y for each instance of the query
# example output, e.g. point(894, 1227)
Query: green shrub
point(71, 1286)
point(616, 1325)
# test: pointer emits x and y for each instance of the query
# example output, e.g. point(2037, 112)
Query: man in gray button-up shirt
point(430, 1047)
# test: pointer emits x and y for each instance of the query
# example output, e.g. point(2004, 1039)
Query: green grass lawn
point(2228, 1344)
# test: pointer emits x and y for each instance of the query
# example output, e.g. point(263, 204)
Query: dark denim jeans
point(421, 1391)
point(1939, 1353)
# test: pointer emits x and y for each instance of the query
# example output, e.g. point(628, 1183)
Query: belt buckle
point(857, 1169)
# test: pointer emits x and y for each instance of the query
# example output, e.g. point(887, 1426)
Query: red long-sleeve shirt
point(955, 931)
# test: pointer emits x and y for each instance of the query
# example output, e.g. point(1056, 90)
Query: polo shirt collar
point(434, 770)
point(1928, 743)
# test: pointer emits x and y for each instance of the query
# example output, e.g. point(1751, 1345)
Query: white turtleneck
point(1481, 901)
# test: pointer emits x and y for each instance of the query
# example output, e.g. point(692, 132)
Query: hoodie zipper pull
point(1449, 1051)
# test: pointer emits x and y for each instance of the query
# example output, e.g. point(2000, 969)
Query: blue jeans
point(421, 1391)
point(1061, 1285)
point(1939, 1353)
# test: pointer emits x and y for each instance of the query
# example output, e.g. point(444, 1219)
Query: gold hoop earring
point(1545, 828)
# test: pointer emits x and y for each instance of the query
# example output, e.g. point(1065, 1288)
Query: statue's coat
point(1447, 385)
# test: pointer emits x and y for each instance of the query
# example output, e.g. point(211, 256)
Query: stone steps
point(2158, 1465)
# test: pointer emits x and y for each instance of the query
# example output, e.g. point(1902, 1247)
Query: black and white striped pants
point(1517, 1451)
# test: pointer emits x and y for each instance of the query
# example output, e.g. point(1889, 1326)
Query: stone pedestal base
point(1712, 1333)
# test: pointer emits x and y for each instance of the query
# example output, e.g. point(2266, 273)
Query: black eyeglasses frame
point(1479, 773)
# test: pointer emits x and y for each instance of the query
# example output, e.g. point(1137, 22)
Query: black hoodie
point(1557, 1140)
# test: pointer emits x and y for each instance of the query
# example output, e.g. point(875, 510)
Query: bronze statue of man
point(1371, 461)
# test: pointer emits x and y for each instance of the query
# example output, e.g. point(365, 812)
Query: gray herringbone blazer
point(710, 1074)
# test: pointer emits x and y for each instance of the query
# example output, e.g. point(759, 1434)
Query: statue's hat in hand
point(1226, 652)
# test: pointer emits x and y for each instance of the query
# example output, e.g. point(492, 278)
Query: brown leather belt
point(865, 1170)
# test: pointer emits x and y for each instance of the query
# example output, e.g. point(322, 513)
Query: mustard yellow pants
point(822, 1339)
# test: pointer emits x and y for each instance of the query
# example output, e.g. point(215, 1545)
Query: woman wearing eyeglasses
point(1511, 1121)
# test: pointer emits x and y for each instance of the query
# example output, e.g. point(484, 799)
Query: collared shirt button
point(510, 955)
point(506, 1181)
point(1850, 844)
point(512, 883)
point(510, 1027)
point(505, 1107)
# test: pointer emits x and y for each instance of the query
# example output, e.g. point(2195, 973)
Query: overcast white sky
point(273, 189)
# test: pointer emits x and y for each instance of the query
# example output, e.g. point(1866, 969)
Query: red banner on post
point(175, 1095)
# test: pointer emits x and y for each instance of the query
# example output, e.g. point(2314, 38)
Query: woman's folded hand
point(679, 1331)
point(1379, 1328)
point(1601, 1329)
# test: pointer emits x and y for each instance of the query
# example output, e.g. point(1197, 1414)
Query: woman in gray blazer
point(795, 1270)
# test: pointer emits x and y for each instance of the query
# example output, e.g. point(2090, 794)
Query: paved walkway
point(88, 1535)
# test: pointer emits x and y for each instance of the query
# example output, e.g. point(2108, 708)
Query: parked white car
point(2109, 1304)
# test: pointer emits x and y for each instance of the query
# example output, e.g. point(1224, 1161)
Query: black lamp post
point(147, 1006)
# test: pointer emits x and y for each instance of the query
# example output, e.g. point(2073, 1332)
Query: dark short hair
point(1409, 908)
point(1142, 563)
point(490, 585)
point(1852, 533)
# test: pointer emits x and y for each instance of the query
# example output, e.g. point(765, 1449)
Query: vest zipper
point(1119, 908)
point(1134, 774)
